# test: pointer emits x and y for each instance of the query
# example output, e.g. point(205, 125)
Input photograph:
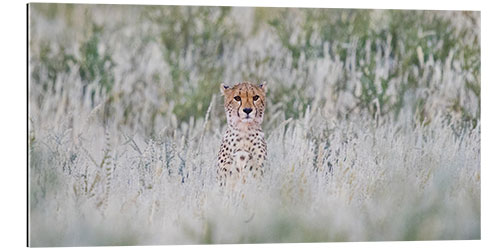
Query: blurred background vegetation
point(166, 61)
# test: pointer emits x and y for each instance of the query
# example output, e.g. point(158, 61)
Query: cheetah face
point(244, 103)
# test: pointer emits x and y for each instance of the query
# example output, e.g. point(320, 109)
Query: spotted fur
point(243, 149)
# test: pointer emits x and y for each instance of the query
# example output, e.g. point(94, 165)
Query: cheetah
point(243, 149)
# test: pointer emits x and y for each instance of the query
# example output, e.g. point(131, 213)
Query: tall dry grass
point(373, 124)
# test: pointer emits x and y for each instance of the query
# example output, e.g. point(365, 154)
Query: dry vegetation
point(373, 124)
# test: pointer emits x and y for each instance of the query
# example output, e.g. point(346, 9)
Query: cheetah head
point(244, 103)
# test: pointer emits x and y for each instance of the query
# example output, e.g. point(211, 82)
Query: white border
point(360, 4)
point(13, 123)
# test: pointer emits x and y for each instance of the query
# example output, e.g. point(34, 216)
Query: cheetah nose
point(247, 110)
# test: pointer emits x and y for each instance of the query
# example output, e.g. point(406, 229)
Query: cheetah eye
point(237, 98)
point(255, 98)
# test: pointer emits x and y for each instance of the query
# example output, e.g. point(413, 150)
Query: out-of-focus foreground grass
point(373, 124)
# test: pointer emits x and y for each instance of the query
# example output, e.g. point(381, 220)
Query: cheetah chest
point(241, 153)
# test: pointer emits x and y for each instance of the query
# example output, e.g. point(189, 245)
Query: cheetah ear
point(263, 86)
point(223, 88)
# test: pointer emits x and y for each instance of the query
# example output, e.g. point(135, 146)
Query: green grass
point(395, 37)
